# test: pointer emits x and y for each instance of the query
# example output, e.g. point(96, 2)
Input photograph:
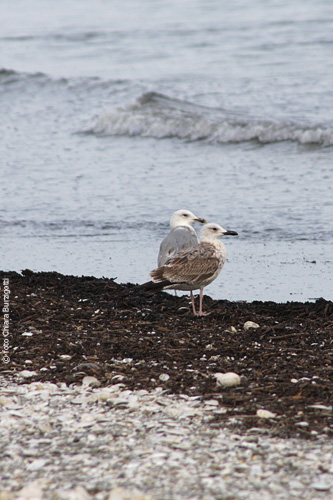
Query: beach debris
point(261, 413)
point(91, 381)
point(250, 325)
point(27, 373)
point(229, 379)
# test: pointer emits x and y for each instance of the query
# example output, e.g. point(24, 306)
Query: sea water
point(114, 115)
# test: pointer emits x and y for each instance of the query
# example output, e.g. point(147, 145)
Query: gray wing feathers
point(178, 240)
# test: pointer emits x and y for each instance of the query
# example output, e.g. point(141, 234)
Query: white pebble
point(77, 493)
point(103, 396)
point(164, 377)
point(303, 424)
point(228, 379)
point(90, 382)
point(250, 324)
point(124, 494)
point(45, 426)
point(320, 485)
point(33, 491)
point(27, 373)
point(265, 414)
point(322, 407)
point(37, 464)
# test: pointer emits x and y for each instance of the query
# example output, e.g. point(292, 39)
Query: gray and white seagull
point(181, 237)
point(195, 268)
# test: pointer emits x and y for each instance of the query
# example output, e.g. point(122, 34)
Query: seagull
point(195, 268)
point(181, 237)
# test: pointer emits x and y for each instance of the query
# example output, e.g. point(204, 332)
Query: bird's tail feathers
point(153, 286)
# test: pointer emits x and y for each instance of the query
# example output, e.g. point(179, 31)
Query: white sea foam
point(155, 115)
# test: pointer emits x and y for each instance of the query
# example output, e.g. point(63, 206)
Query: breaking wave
point(159, 116)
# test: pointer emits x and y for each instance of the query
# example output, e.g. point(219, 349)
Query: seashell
point(265, 414)
point(118, 377)
point(248, 325)
point(229, 379)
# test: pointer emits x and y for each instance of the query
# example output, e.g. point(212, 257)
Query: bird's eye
point(214, 228)
point(185, 215)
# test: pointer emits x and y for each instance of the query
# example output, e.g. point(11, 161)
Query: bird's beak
point(203, 221)
point(230, 233)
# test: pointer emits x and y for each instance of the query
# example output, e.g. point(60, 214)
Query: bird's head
point(184, 218)
point(213, 231)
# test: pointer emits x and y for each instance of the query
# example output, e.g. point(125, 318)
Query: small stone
point(27, 334)
point(118, 378)
point(233, 329)
point(164, 377)
point(241, 467)
point(229, 379)
point(248, 325)
point(102, 397)
point(90, 382)
point(36, 464)
point(77, 493)
point(4, 401)
point(265, 414)
point(294, 380)
point(45, 426)
point(302, 424)
point(322, 407)
point(65, 356)
point(6, 495)
point(33, 491)
point(212, 403)
point(125, 494)
point(182, 309)
point(27, 373)
point(320, 485)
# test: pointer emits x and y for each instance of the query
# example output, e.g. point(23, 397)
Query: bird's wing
point(194, 266)
point(178, 240)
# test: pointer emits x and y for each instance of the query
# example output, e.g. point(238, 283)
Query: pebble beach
point(85, 442)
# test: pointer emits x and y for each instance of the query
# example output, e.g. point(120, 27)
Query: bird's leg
point(193, 304)
point(201, 313)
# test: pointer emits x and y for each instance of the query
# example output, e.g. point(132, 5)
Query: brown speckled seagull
point(195, 268)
